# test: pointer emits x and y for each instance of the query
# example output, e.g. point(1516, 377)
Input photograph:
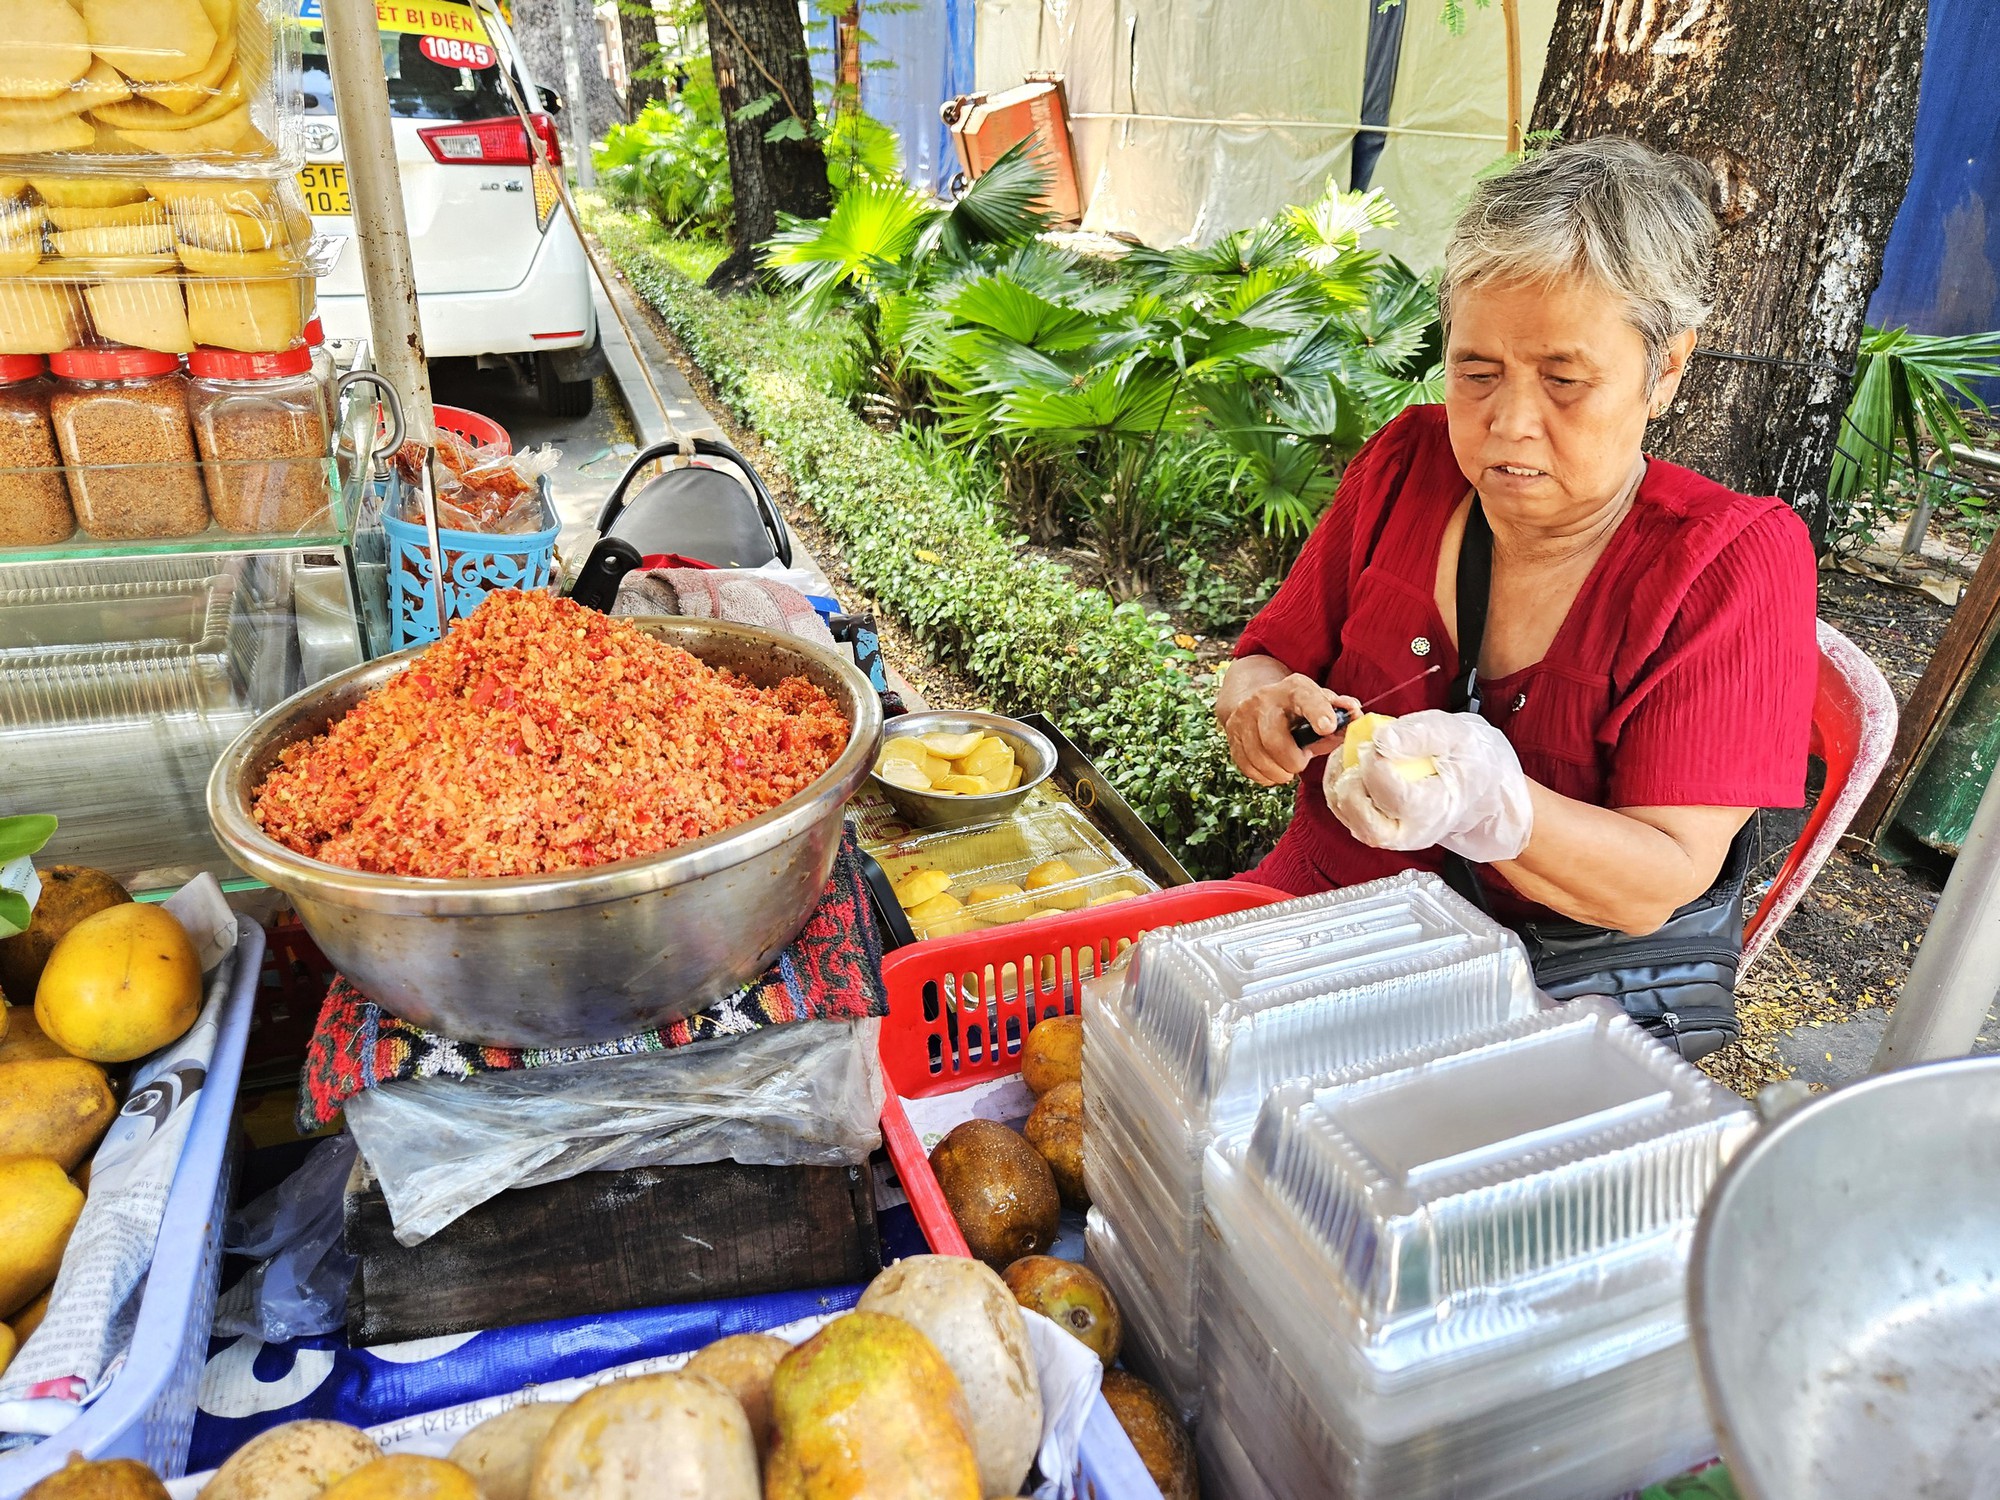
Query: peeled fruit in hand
point(1053, 1054)
point(500, 1452)
point(1362, 731)
point(1072, 1297)
point(742, 1365)
point(122, 983)
point(293, 1461)
point(38, 1209)
point(102, 1479)
point(973, 1321)
point(1055, 1129)
point(69, 894)
point(56, 1107)
point(1156, 1431)
point(1000, 1191)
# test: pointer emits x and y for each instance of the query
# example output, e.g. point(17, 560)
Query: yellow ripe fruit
point(940, 908)
point(38, 1208)
point(919, 886)
point(405, 1476)
point(904, 773)
point(120, 984)
point(1049, 872)
point(907, 749)
point(952, 746)
point(961, 786)
point(1111, 896)
point(991, 762)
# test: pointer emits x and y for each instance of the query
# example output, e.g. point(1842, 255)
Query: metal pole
point(579, 108)
point(361, 94)
point(1953, 982)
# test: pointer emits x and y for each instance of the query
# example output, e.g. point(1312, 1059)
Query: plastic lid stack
point(1211, 1017)
point(1459, 1271)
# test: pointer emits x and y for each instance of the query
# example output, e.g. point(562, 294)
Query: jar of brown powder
point(260, 421)
point(34, 501)
point(121, 421)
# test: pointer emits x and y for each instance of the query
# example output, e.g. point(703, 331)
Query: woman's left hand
point(1472, 798)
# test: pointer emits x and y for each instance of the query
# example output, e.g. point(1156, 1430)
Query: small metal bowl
point(1032, 753)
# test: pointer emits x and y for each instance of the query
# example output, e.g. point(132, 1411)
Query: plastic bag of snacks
point(480, 489)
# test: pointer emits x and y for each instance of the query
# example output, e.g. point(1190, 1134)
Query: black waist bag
point(1678, 982)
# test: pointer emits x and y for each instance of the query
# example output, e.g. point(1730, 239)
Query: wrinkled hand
point(1476, 804)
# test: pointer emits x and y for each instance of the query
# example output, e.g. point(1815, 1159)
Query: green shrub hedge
point(1109, 674)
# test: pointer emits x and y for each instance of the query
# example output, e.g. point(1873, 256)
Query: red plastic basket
point(479, 430)
point(960, 1008)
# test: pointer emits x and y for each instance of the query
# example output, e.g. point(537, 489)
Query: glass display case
point(124, 675)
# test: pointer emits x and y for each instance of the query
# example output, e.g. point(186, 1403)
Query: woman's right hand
point(1259, 702)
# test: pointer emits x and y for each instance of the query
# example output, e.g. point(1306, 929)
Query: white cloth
point(1476, 804)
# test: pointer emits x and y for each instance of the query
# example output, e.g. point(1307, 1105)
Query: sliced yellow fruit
point(237, 195)
point(70, 133)
point(1050, 872)
point(237, 263)
point(917, 887)
point(144, 114)
point(147, 312)
point(185, 94)
point(39, 317)
point(1013, 778)
point(940, 908)
point(234, 133)
point(952, 746)
point(19, 253)
point(142, 212)
point(961, 786)
point(151, 39)
point(902, 773)
point(911, 750)
point(87, 192)
point(47, 48)
point(1044, 911)
point(115, 239)
point(993, 890)
point(992, 761)
point(103, 84)
point(1110, 896)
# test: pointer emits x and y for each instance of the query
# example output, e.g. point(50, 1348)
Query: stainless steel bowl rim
point(593, 885)
point(906, 728)
point(1769, 1138)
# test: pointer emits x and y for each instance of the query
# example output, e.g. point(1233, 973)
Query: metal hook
point(378, 457)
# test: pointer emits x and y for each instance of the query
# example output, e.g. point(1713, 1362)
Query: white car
point(500, 274)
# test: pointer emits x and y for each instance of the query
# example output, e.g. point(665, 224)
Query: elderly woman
point(1643, 679)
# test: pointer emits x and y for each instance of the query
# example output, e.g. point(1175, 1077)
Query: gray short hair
point(1626, 216)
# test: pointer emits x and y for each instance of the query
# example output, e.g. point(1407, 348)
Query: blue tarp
point(929, 48)
point(1941, 273)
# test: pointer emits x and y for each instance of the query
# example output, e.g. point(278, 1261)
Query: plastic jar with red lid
point(260, 420)
point(322, 366)
point(34, 501)
point(121, 421)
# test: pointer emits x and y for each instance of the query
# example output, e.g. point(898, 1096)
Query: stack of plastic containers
point(1459, 1272)
point(1211, 1017)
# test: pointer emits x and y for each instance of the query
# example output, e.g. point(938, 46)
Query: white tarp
point(1196, 117)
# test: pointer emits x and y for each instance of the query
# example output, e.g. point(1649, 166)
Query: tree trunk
point(1805, 111)
point(639, 40)
point(759, 49)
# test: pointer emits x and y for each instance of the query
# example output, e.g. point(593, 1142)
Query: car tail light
point(500, 143)
point(490, 143)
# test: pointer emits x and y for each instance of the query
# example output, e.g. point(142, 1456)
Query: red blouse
point(1683, 674)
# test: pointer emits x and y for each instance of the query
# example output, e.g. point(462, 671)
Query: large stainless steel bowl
point(582, 956)
point(1845, 1293)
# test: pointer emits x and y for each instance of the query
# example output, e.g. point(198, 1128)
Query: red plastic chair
point(1853, 728)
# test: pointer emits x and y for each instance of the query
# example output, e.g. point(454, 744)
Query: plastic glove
point(1476, 804)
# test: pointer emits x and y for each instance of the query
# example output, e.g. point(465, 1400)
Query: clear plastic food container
point(199, 86)
point(260, 423)
point(34, 500)
point(121, 423)
point(153, 263)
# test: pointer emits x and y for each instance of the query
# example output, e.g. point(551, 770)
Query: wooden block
point(608, 1241)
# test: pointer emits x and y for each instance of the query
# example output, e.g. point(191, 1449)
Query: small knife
point(1303, 734)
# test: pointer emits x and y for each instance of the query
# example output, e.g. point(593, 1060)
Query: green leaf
point(791, 128)
point(756, 108)
point(24, 835)
point(15, 913)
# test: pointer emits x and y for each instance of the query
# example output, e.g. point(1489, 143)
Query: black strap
point(1475, 583)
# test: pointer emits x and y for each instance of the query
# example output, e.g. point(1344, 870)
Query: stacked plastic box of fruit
point(1211, 1017)
point(155, 281)
point(1459, 1272)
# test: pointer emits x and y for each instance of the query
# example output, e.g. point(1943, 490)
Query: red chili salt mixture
point(539, 736)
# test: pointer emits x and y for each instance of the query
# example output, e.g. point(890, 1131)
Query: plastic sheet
point(805, 1094)
point(299, 1285)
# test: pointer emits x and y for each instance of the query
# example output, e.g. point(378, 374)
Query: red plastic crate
point(1003, 981)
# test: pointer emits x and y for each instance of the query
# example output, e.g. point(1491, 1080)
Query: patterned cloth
point(722, 594)
point(831, 972)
